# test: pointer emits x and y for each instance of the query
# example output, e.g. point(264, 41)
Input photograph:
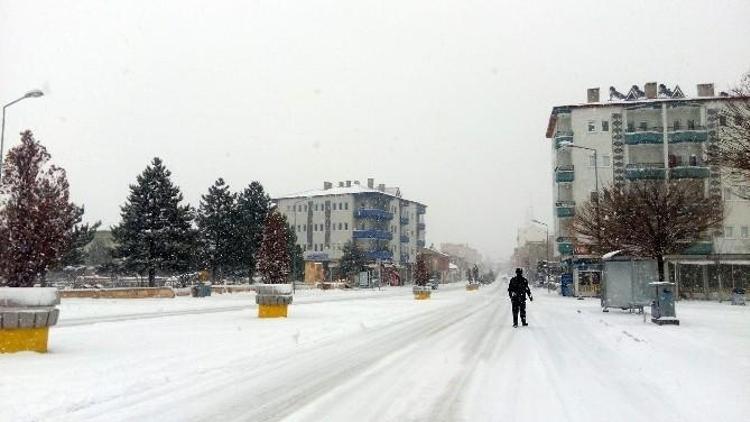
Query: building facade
point(383, 224)
point(651, 133)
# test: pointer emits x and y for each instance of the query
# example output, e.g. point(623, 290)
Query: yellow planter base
point(472, 289)
point(422, 296)
point(24, 340)
point(272, 311)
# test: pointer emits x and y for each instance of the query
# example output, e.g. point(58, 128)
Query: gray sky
point(447, 99)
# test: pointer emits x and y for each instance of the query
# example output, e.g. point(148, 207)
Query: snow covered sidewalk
point(387, 358)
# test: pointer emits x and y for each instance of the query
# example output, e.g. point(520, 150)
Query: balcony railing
point(420, 243)
point(421, 210)
point(698, 134)
point(689, 172)
point(420, 226)
point(563, 137)
point(643, 171)
point(381, 255)
point(564, 173)
point(404, 258)
point(404, 221)
point(699, 248)
point(372, 234)
point(373, 214)
point(565, 208)
point(651, 136)
point(565, 248)
point(404, 239)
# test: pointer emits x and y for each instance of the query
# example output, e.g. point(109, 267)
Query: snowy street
point(380, 355)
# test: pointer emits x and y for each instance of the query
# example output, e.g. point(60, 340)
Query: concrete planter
point(273, 300)
point(26, 313)
point(472, 287)
point(422, 292)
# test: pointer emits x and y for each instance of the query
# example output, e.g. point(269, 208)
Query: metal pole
point(31, 94)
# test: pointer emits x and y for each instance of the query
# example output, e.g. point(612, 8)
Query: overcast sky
point(447, 99)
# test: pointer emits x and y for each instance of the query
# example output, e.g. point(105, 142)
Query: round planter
point(26, 313)
point(422, 292)
point(273, 300)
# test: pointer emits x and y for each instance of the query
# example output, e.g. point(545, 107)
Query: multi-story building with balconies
point(654, 133)
point(386, 226)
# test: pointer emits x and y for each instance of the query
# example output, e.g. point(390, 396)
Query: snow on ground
point(381, 356)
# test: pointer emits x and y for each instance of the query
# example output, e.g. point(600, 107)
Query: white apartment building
point(386, 226)
point(654, 133)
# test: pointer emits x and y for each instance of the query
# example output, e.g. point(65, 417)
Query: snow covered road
point(388, 358)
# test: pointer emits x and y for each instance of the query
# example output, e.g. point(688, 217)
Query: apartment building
point(650, 133)
point(385, 225)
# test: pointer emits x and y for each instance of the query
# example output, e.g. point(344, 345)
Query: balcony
point(699, 248)
point(649, 136)
point(565, 248)
point(563, 137)
point(372, 234)
point(689, 172)
point(644, 171)
point(420, 226)
point(565, 208)
point(373, 214)
point(698, 134)
point(564, 174)
point(421, 209)
point(404, 258)
point(382, 255)
point(404, 239)
point(420, 243)
point(404, 221)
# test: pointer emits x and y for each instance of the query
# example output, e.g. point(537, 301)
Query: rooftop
point(354, 188)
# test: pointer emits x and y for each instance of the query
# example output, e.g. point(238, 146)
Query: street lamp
point(34, 93)
point(546, 238)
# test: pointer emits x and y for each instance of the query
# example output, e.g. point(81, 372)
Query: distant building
point(438, 264)
point(384, 224)
point(650, 133)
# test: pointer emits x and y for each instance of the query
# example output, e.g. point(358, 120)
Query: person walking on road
point(518, 288)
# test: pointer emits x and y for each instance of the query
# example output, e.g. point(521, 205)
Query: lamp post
point(546, 238)
point(596, 188)
point(31, 94)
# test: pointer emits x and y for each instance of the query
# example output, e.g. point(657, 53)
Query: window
point(606, 161)
point(346, 226)
point(631, 127)
point(744, 233)
point(346, 205)
point(316, 207)
point(722, 120)
point(643, 126)
point(592, 126)
point(340, 225)
point(676, 125)
point(315, 247)
point(305, 208)
point(729, 232)
point(334, 206)
point(605, 125)
point(691, 124)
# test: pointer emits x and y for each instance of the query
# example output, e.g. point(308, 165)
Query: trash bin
point(662, 308)
point(738, 296)
point(201, 290)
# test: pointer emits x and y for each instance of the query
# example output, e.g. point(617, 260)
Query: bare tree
point(650, 218)
point(732, 151)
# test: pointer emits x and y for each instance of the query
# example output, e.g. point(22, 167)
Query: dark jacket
point(518, 288)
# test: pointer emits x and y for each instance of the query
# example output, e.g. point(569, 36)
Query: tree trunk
point(660, 265)
point(151, 277)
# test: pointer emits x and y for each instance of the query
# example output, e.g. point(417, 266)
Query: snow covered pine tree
point(218, 239)
point(252, 209)
point(156, 232)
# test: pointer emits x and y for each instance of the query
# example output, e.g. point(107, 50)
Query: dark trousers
point(518, 306)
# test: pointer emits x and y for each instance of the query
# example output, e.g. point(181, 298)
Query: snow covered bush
point(273, 256)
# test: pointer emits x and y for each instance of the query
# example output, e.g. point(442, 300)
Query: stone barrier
point(119, 293)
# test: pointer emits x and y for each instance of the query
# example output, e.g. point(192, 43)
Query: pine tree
point(422, 275)
point(352, 259)
point(252, 209)
point(36, 215)
point(295, 252)
point(216, 220)
point(273, 255)
point(156, 232)
point(82, 235)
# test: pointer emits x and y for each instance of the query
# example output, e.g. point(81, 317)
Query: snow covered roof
point(346, 190)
